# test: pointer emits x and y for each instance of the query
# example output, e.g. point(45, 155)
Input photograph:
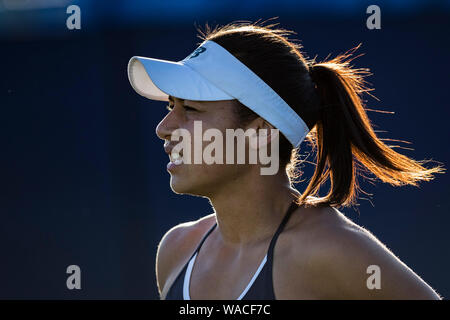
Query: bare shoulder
point(333, 236)
point(176, 246)
point(340, 256)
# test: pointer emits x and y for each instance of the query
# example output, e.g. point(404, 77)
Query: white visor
point(211, 73)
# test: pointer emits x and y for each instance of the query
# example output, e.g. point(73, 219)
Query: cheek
point(208, 138)
point(203, 178)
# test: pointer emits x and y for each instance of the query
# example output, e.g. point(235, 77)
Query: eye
point(187, 108)
point(169, 107)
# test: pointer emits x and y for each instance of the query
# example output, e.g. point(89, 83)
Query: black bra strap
point(283, 223)
point(291, 209)
point(203, 239)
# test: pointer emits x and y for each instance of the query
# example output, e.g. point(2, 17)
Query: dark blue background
point(83, 178)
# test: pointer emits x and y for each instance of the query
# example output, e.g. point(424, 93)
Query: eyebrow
point(172, 99)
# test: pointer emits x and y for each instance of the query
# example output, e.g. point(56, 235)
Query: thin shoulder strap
point(280, 229)
point(203, 239)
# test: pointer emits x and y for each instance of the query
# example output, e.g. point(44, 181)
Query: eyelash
point(187, 108)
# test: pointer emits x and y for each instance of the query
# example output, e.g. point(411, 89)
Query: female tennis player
point(266, 240)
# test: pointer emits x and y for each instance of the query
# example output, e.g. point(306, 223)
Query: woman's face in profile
point(199, 178)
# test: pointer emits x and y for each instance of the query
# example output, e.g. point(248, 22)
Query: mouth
point(176, 157)
point(176, 160)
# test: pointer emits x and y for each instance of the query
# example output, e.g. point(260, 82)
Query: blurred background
point(83, 175)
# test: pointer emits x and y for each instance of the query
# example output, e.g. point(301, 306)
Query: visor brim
point(156, 79)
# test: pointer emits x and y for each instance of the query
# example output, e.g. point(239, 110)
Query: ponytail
point(327, 96)
point(345, 140)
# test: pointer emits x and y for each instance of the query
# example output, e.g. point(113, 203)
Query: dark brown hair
point(327, 96)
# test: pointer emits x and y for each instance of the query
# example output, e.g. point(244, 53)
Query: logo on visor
point(197, 52)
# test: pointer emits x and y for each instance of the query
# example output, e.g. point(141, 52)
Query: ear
point(264, 134)
point(267, 134)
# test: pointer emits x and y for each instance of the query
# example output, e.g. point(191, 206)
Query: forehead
point(172, 98)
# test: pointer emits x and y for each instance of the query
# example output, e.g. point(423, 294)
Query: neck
point(252, 209)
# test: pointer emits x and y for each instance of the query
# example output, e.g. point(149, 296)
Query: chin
point(179, 188)
point(194, 187)
point(182, 186)
point(202, 182)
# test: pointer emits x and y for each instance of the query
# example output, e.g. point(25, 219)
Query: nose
point(167, 125)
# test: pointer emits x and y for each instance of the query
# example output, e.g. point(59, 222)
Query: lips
point(176, 158)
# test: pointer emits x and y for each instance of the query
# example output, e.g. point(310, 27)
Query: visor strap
point(221, 68)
